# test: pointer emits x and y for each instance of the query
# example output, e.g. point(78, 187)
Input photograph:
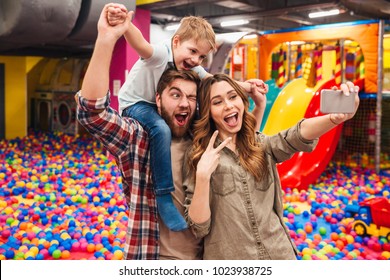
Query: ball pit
point(61, 198)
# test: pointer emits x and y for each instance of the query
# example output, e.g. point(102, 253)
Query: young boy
point(188, 47)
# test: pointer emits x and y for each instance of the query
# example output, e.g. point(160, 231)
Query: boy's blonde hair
point(197, 28)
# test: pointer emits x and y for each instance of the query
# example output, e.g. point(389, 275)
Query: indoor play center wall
point(52, 84)
point(22, 95)
point(297, 64)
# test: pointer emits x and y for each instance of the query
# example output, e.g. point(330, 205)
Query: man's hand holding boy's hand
point(116, 14)
point(108, 31)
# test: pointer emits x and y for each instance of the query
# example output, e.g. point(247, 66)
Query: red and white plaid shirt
point(128, 142)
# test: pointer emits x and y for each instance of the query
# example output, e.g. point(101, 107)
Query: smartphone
point(335, 101)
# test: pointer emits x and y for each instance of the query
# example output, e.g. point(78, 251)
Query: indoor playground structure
point(61, 194)
point(297, 64)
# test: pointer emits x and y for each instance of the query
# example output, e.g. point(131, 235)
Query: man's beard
point(177, 131)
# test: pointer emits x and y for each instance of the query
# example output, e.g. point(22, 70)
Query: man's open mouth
point(181, 118)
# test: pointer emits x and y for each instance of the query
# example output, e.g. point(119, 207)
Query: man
point(128, 142)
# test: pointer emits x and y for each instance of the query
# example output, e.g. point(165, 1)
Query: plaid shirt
point(128, 142)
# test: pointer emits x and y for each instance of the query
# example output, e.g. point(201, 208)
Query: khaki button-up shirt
point(247, 216)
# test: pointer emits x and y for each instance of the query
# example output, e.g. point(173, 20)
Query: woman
point(233, 192)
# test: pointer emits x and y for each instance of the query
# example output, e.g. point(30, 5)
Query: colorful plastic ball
point(30, 235)
point(386, 247)
point(34, 250)
point(52, 248)
point(6, 233)
point(9, 254)
point(67, 245)
point(56, 254)
point(298, 225)
point(91, 248)
point(89, 236)
point(118, 254)
point(76, 246)
point(370, 243)
point(23, 226)
point(44, 253)
point(334, 236)
point(29, 254)
point(19, 256)
point(308, 228)
point(297, 211)
point(305, 214)
point(98, 255)
point(306, 257)
point(306, 251)
point(83, 246)
point(350, 239)
point(386, 255)
point(9, 221)
point(377, 247)
point(318, 212)
point(44, 221)
point(322, 231)
point(23, 248)
point(352, 255)
point(65, 254)
point(98, 246)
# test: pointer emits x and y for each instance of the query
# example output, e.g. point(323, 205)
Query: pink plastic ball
point(6, 233)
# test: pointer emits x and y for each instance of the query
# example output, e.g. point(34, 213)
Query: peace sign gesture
point(210, 158)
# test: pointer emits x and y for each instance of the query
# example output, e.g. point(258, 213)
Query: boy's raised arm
point(117, 13)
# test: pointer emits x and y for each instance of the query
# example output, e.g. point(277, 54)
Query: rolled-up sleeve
point(285, 144)
point(105, 123)
point(92, 105)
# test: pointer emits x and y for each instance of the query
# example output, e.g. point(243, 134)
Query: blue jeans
point(160, 144)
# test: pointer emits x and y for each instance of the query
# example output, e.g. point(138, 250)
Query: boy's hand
point(116, 14)
point(258, 91)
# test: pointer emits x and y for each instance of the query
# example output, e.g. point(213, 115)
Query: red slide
point(304, 168)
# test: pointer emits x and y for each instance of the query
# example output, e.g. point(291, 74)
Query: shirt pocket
point(222, 181)
point(265, 183)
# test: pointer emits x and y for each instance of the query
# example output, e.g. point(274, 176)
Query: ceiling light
point(234, 22)
point(324, 13)
point(294, 43)
point(250, 36)
point(172, 27)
